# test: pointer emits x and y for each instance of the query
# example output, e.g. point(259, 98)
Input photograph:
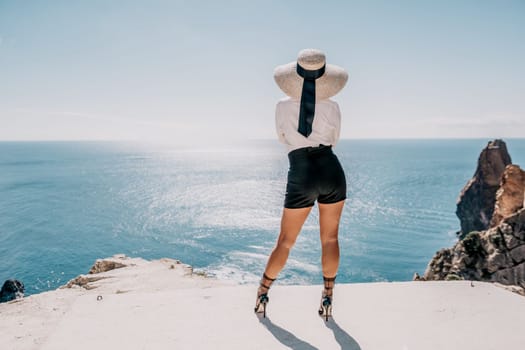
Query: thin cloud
point(108, 126)
point(105, 118)
point(128, 120)
point(502, 121)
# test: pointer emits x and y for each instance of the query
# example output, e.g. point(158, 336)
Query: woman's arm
point(278, 123)
point(337, 124)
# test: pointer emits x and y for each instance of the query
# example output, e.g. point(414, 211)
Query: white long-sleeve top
point(326, 126)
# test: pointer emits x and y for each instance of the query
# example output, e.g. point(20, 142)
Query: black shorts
point(315, 174)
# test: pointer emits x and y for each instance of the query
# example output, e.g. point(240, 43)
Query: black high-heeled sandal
point(325, 309)
point(262, 294)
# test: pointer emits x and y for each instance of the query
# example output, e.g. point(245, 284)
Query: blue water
point(65, 204)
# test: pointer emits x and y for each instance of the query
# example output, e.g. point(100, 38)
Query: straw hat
point(329, 84)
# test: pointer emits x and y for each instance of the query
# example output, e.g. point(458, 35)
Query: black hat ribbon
point(307, 112)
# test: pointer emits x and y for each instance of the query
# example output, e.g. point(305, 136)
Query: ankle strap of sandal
point(329, 282)
point(266, 278)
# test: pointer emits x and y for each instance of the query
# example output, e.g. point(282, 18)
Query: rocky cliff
point(510, 195)
point(491, 244)
point(475, 205)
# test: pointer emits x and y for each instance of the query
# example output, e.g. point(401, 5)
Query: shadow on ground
point(288, 339)
point(344, 339)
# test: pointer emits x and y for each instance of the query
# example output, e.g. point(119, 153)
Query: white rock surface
point(149, 305)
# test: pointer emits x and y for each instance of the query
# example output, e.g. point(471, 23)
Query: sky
point(190, 72)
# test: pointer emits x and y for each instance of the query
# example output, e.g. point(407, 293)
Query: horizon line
point(267, 139)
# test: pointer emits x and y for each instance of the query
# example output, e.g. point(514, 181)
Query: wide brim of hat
point(333, 80)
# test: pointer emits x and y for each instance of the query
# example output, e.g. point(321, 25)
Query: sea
point(65, 204)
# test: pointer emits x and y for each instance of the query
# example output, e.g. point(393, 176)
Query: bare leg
point(291, 223)
point(329, 216)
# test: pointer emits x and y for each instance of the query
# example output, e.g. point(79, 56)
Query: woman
point(308, 123)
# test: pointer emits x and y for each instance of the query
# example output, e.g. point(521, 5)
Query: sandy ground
point(162, 305)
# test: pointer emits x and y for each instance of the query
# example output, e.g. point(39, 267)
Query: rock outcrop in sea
point(11, 290)
point(475, 206)
point(491, 244)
